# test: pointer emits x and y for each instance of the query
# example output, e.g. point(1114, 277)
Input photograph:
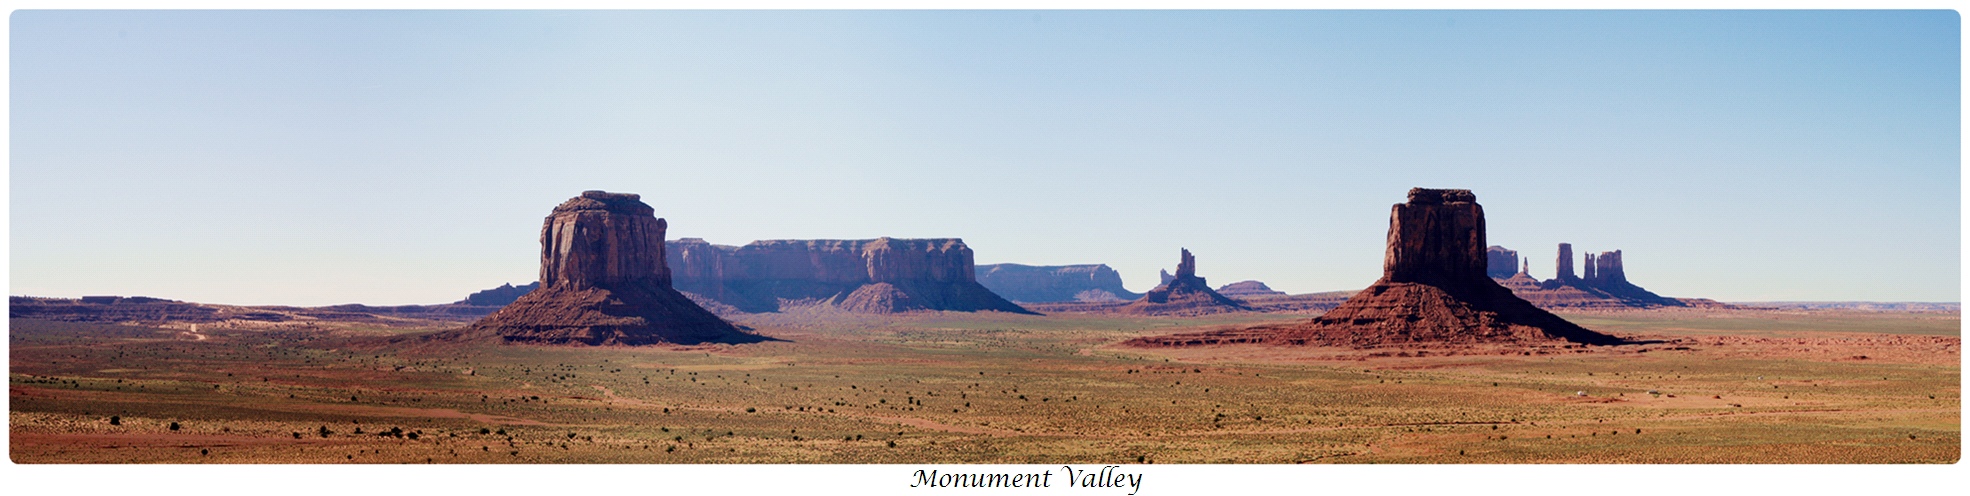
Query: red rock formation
point(870, 275)
point(1185, 294)
point(604, 281)
point(1433, 290)
point(1499, 262)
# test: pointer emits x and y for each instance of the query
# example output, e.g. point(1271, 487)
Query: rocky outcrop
point(604, 281)
point(500, 296)
point(1184, 294)
point(1242, 289)
point(1038, 284)
point(1500, 262)
point(869, 275)
point(1433, 290)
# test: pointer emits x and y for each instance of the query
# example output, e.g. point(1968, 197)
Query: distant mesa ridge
point(883, 275)
point(1434, 289)
point(500, 296)
point(1248, 288)
point(1054, 283)
point(603, 281)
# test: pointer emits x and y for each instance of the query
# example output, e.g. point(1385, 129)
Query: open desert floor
point(1717, 386)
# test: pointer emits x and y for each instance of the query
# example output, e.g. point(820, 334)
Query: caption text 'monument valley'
point(1107, 476)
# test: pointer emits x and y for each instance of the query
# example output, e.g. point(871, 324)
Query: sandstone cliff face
point(1027, 283)
point(1185, 294)
point(1500, 262)
point(604, 281)
point(869, 275)
point(1433, 290)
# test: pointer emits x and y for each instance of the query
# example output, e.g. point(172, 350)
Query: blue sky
point(389, 157)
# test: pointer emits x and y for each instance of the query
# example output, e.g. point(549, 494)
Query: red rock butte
point(1183, 294)
point(1433, 290)
point(603, 282)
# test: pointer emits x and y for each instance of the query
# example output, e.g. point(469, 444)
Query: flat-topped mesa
point(1183, 294)
point(1433, 290)
point(1248, 288)
point(1054, 283)
point(880, 275)
point(1499, 262)
point(603, 281)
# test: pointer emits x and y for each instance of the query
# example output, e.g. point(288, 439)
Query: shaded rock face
point(870, 275)
point(1184, 294)
point(1500, 262)
point(1248, 288)
point(1028, 283)
point(1433, 290)
point(603, 281)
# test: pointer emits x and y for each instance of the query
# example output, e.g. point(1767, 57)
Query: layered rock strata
point(1184, 294)
point(1055, 283)
point(1433, 290)
point(603, 281)
point(883, 275)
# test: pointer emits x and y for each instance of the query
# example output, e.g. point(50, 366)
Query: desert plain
point(1735, 385)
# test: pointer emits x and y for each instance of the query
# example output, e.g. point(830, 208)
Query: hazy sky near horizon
point(408, 157)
